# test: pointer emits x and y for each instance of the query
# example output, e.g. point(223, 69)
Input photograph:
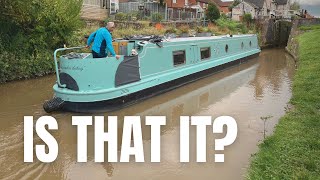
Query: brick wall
point(178, 4)
point(224, 9)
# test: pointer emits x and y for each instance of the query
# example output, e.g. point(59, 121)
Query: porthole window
point(179, 57)
point(227, 48)
point(205, 53)
point(242, 45)
point(250, 43)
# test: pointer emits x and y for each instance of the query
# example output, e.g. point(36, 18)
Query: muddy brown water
point(259, 88)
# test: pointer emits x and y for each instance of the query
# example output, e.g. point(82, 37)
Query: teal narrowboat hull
point(89, 85)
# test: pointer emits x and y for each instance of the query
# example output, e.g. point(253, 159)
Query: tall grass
point(293, 151)
point(233, 26)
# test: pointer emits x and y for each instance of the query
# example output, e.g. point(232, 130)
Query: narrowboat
point(148, 66)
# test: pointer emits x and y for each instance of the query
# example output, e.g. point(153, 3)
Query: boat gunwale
point(112, 104)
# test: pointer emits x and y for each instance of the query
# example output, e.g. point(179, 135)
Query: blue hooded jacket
point(102, 40)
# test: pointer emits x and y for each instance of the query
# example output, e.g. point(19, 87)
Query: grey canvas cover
point(128, 71)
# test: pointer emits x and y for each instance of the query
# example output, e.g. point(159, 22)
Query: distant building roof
point(223, 4)
point(281, 2)
point(217, 2)
point(205, 1)
point(256, 3)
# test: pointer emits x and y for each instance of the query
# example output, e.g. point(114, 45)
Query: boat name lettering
point(75, 68)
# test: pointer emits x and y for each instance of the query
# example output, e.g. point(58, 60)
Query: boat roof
point(203, 38)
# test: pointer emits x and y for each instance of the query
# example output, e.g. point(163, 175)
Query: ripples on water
point(247, 92)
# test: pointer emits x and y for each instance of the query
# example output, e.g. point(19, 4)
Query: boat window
point(250, 43)
point(205, 53)
point(227, 48)
point(242, 45)
point(179, 57)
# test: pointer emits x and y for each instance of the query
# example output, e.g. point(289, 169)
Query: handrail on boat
point(56, 62)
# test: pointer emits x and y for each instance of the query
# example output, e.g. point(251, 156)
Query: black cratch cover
point(68, 81)
point(128, 71)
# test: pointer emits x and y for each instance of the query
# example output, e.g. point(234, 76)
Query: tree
point(247, 18)
point(212, 13)
point(295, 5)
point(38, 24)
point(161, 2)
point(234, 4)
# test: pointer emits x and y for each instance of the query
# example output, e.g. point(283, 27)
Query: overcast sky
point(309, 2)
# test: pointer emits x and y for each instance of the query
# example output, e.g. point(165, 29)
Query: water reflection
point(272, 72)
point(258, 88)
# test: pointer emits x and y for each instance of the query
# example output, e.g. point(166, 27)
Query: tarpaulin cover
point(128, 71)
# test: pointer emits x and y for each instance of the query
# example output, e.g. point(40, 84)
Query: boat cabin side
point(144, 61)
point(193, 53)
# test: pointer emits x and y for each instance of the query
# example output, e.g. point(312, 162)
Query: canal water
point(258, 88)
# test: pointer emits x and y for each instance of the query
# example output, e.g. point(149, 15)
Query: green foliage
point(293, 17)
point(233, 26)
point(139, 16)
point(234, 4)
point(292, 152)
point(30, 31)
point(133, 16)
point(247, 18)
point(184, 29)
point(121, 16)
point(156, 17)
point(224, 16)
point(200, 29)
point(17, 66)
point(295, 5)
point(108, 19)
point(171, 30)
point(46, 24)
point(161, 2)
point(212, 13)
point(308, 28)
point(144, 24)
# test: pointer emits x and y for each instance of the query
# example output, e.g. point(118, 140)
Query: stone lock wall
point(293, 45)
point(274, 32)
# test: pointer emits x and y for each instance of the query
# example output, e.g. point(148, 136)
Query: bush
point(144, 24)
point(45, 24)
point(121, 16)
point(247, 18)
point(200, 29)
point(30, 31)
point(233, 26)
point(212, 13)
point(224, 16)
point(156, 17)
point(18, 66)
point(171, 30)
point(184, 29)
point(139, 15)
point(134, 16)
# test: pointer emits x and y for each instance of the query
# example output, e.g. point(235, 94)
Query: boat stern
point(82, 78)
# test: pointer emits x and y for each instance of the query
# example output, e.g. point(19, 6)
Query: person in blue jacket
point(102, 41)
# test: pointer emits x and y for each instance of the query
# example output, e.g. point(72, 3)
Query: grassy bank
point(221, 26)
point(293, 151)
